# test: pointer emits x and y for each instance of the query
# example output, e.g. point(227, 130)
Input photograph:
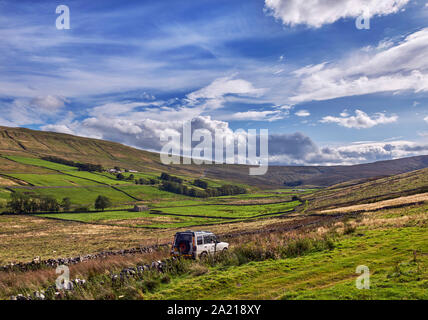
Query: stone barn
point(140, 208)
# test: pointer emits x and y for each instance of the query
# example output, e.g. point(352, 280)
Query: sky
point(328, 91)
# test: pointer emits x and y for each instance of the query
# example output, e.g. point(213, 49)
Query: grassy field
point(176, 217)
point(394, 273)
point(41, 163)
point(151, 193)
point(256, 266)
point(283, 254)
point(236, 211)
point(84, 196)
point(98, 177)
point(135, 219)
point(53, 180)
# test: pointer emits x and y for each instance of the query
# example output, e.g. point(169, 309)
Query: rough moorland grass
point(320, 275)
point(101, 286)
point(23, 238)
point(12, 283)
point(376, 190)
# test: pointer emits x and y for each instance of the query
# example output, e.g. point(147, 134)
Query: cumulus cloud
point(286, 149)
point(61, 128)
point(426, 119)
point(303, 113)
point(24, 111)
point(316, 13)
point(296, 145)
point(361, 120)
point(399, 67)
point(377, 151)
point(299, 149)
point(48, 103)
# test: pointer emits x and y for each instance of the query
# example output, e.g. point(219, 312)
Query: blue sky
point(127, 71)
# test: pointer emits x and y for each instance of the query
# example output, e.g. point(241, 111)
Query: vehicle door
point(214, 243)
point(199, 245)
point(208, 244)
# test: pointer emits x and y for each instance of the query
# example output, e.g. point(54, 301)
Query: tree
point(102, 202)
point(120, 176)
point(66, 204)
point(17, 202)
point(200, 183)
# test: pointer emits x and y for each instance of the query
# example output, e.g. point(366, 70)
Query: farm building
point(140, 208)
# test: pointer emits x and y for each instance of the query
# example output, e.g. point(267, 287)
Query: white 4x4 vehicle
point(197, 244)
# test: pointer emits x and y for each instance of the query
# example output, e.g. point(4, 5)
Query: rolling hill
point(32, 143)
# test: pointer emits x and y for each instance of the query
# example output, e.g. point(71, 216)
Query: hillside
point(357, 192)
point(296, 256)
point(279, 248)
point(32, 143)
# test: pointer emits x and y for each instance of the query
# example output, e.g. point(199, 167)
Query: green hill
point(36, 144)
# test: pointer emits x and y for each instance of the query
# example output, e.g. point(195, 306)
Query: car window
point(183, 237)
point(200, 240)
point(207, 239)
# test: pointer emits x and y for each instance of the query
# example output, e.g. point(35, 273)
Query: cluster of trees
point(81, 166)
point(25, 203)
point(225, 190)
point(32, 203)
point(148, 181)
point(179, 188)
point(200, 183)
point(293, 183)
point(120, 176)
point(175, 185)
point(167, 177)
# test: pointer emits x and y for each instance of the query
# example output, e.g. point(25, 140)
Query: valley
point(299, 242)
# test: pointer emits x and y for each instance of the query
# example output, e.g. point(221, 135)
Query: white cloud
point(373, 151)
point(303, 113)
point(24, 111)
point(426, 119)
point(49, 103)
point(316, 13)
point(223, 86)
point(256, 116)
point(286, 149)
point(397, 68)
point(61, 128)
point(360, 120)
point(344, 113)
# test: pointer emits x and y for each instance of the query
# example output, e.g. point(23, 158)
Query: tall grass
point(101, 285)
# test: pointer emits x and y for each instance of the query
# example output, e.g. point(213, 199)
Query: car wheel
point(224, 250)
point(203, 255)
